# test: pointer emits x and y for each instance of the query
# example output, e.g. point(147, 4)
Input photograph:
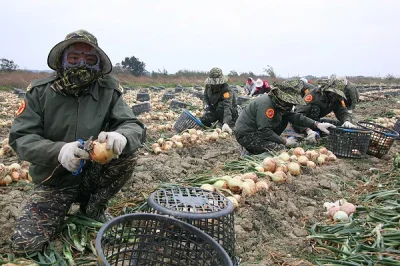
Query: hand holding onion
point(100, 154)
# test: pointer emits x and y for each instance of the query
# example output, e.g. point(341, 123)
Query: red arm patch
point(308, 98)
point(21, 107)
point(270, 113)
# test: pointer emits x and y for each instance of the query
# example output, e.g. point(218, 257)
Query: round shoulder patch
point(308, 98)
point(21, 107)
point(226, 95)
point(270, 113)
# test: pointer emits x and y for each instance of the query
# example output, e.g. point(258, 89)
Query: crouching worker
point(80, 101)
point(261, 123)
point(219, 101)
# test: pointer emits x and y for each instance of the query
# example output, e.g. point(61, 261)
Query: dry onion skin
point(100, 154)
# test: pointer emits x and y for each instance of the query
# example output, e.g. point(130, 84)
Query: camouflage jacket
point(220, 97)
point(352, 94)
point(317, 98)
point(262, 115)
point(49, 120)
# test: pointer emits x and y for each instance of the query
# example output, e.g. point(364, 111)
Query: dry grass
point(21, 79)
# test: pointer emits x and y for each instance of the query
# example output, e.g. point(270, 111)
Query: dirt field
point(270, 229)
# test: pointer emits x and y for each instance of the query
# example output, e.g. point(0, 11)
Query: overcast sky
point(296, 37)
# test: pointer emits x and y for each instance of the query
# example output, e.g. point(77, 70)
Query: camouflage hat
point(216, 77)
point(337, 86)
point(293, 83)
point(288, 94)
point(54, 58)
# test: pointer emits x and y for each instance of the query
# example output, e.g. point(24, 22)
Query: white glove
point(324, 127)
point(291, 141)
point(350, 111)
point(115, 141)
point(226, 128)
point(311, 136)
point(70, 155)
point(348, 124)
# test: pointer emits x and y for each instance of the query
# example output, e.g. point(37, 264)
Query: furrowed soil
point(270, 229)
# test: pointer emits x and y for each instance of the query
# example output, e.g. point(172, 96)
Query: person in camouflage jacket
point(263, 120)
point(81, 100)
point(323, 100)
point(219, 101)
point(351, 93)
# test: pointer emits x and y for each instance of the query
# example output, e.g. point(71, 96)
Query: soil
point(270, 229)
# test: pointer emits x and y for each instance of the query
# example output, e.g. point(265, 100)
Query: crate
point(197, 94)
point(242, 100)
point(186, 121)
point(150, 239)
point(209, 211)
point(349, 143)
point(142, 97)
point(141, 108)
point(178, 89)
point(167, 96)
point(154, 88)
point(382, 138)
point(175, 104)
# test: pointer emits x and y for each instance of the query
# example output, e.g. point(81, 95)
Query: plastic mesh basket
point(141, 108)
point(208, 211)
point(175, 104)
point(350, 143)
point(143, 97)
point(151, 239)
point(167, 96)
point(382, 138)
point(186, 120)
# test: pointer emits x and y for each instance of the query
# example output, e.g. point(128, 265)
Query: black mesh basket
point(186, 121)
point(167, 96)
point(350, 143)
point(178, 89)
point(142, 97)
point(382, 138)
point(175, 104)
point(208, 211)
point(141, 108)
point(242, 99)
point(150, 239)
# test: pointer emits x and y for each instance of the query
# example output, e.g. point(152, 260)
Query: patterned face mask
point(73, 58)
point(73, 80)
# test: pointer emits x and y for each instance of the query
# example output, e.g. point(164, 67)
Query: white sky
point(296, 37)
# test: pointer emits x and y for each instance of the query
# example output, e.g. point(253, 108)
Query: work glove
point(350, 111)
point(70, 155)
point(291, 141)
point(226, 128)
point(324, 127)
point(115, 141)
point(312, 136)
point(348, 124)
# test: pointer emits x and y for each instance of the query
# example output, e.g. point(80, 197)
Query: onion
point(160, 141)
point(250, 181)
point(323, 150)
point(176, 138)
point(293, 158)
point(251, 176)
point(294, 168)
point(223, 135)
point(269, 164)
point(157, 150)
point(237, 197)
point(278, 177)
point(311, 164)
point(208, 187)
point(348, 208)
point(262, 186)
point(303, 160)
point(178, 144)
point(332, 157)
point(192, 131)
point(226, 178)
point(15, 175)
point(259, 168)
point(234, 201)
point(218, 130)
point(284, 156)
point(14, 167)
point(298, 151)
point(248, 189)
point(213, 136)
point(235, 184)
point(332, 211)
point(340, 216)
point(155, 145)
point(100, 154)
point(320, 160)
point(220, 184)
point(282, 168)
point(5, 181)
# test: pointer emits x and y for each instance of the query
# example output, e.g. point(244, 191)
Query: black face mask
point(284, 106)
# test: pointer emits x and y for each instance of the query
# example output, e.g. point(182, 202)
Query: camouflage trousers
point(212, 116)
point(254, 142)
point(41, 218)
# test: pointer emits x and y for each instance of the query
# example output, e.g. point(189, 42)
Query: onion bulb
point(321, 160)
point(331, 211)
point(340, 216)
point(269, 164)
point(323, 150)
point(262, 186)
point(293, 158)
point(282, 168)
point(248, 189)
point(237, 197)
point(303, 160)
point(298, 151)
point(250, 175)
point(278, 177)
point(100, 154)
point(208, 187)
point(332, 157)
point(348, 208)
point(192, 131)
point(311, 164)
point(14, 175)
point(220, 184)
point(234, 201)
point(294, 168)
point(235, 184)
point(284, 156)
point(5, 180)
point(213, 136)
point(226, 178)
